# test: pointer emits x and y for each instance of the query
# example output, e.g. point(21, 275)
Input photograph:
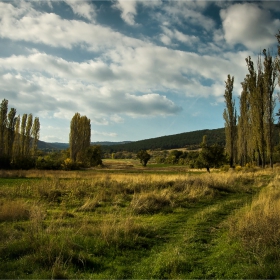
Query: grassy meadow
point(126, 221)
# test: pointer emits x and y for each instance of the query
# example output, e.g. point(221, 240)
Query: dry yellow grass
point(13, 211)
point(258, 224)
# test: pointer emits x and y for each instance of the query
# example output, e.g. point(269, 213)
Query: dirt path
point(189, 248)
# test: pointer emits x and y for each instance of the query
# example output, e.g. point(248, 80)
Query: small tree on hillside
point(210, 156)
point(144, 157)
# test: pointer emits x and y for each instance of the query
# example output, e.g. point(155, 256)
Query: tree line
point(250, 135)
point(18, 138)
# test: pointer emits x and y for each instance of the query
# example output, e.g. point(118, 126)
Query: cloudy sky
point(138, 69)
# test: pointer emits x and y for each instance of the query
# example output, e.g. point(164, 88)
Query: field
point(126, 221)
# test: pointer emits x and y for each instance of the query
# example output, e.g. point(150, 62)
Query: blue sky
point(138, 69)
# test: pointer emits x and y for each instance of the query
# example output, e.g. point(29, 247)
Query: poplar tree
point(85, 133)
point(257, 105)
point(3, 125)
point(278, 58)
point(244, 127)
point(17, 138)
point(230, 121)
point(16, 143)
point(22, 134)
point(27, 138)
point(10, 132)
point(35, 134)
point(269, 83)
point(79, 137)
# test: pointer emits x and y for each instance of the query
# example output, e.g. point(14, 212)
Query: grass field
point(126, 221)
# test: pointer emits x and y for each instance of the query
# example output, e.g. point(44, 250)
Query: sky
point(138, 69)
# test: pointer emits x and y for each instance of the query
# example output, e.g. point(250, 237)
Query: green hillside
point(186, 139)
point(181, 140)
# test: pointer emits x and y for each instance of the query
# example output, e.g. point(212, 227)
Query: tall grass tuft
point(13, 211)
point(257, 226)
point(152, 202)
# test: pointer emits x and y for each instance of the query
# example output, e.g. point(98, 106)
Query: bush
point(69, 164)
point(47, 163)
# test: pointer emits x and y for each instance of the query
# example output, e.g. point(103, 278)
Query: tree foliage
point(79, 138)
point(81, 152)
point(144, 157)
point(16, 136)
point(255, 128)
point(230, 121)
point(210, 156)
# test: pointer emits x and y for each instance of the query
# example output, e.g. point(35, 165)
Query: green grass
point(94, 225)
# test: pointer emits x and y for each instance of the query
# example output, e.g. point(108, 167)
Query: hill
point(182, 140)
point(62, 146)
point(46, 146)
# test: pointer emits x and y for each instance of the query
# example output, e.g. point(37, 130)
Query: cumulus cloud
point(169, 35)
point(124, 76)
point(82, 8)
point(27, 24)
point(250, 25)
point(191, 11)
point(130, 84)
point(128, 10)
point(101, 133)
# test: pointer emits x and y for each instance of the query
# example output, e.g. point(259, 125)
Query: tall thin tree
point(16, 143)
point(10, 132)
point(244, 127)
point(35, 134)
point(230, 121)
point(3, 125)
point(27, 139)
point(22, 134)
point(79, 137)
point(269, 83)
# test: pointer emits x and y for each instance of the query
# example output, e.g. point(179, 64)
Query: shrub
point(238, 168)
point(69, 164)
point(47, 163)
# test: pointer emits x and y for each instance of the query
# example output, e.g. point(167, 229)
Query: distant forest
point(190, 140)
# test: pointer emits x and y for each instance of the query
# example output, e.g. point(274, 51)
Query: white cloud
point(127, 76)
point(149, 103)
point(128, 10)
point(116, 119)
point(191, 11)
point(129, 85)
point(107, 134)
point(249, 25)
point(27, 24)
point(82, 8)
point(169, 35)
point(166, 40)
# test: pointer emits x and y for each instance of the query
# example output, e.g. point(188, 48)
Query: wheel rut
point(188, 240)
